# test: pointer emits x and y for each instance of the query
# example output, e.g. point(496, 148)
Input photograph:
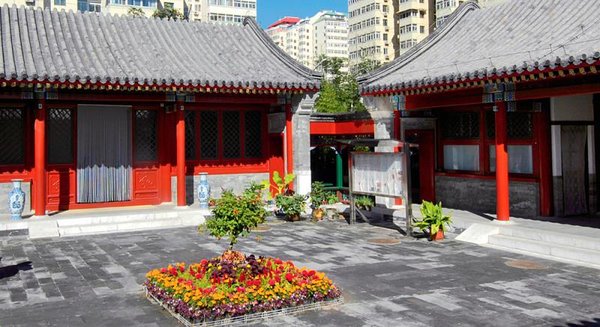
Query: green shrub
point(234, 216)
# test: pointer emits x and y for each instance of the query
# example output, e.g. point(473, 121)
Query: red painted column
point(542, 135)
point(289, 138)
point(39, 159)
point(502, 185)
point(180, 146)
point(397, 135)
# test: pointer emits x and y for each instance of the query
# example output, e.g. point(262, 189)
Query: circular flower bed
point(232, 285)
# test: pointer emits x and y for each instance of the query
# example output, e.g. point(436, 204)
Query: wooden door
point(574, 169)
point(146, 167)
point(422, 162)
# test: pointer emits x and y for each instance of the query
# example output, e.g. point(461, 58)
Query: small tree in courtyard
point(234, 216)
point(339, 90)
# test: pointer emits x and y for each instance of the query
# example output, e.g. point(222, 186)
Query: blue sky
point(271, 10)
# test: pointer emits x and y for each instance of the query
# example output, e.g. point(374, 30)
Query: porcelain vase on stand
point(16, 200)
point(203, 191)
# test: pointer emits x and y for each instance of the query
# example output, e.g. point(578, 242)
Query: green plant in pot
point(434, 220)
point(291, 205)
point(318, 196)
point(364, 202)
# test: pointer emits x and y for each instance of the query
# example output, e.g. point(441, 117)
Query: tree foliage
point(136, 12)
point(168, 13)
point(234, 216)
point(339, 90)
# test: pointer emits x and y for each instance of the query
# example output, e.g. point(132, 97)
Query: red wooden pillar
point(502, 185)
point(180, 146)
point(289, 138)
point(542, 128)
point(398, 136)
point(39, 159)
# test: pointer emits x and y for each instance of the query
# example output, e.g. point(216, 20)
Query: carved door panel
point(146, 172)
point(574, 169)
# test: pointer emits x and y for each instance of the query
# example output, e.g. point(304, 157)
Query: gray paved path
point(95, 280)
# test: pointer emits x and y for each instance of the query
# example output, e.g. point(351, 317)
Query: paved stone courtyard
point(95, 280)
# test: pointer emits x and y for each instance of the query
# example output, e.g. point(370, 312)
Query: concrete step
point(95, 220)
point(128, 226)
point(546, 249)
point(102, 223)
point(551, 237)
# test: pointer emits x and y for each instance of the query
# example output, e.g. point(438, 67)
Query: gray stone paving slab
point(96, 280)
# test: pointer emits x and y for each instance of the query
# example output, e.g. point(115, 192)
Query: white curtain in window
point(520, 159)
point(461, 157)
point(103, 153)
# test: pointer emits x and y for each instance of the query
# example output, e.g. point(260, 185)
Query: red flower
point(163, 270)
point(278, 261)
point(272, 282)
point(204, 262)
point(181, 268)
point(289, 277)
point(198, 276)
point(241, 289)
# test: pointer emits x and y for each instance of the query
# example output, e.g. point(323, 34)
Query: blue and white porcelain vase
point(16, 200)
point(203, 191)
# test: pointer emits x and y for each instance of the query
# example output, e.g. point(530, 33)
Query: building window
point(12, 134)
point(460, 125)
point(520, 159)
point(190, 136)
point(253, 134)
point(226, 135)
point(461, 157)
point(520, 125)
point(60, 136)
point(209, 132)
point(231, 134)
point(60, 2)
point(468, 141)
point(146, 142)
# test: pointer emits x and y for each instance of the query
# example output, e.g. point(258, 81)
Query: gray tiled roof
point(43, 45)
point(514, 37)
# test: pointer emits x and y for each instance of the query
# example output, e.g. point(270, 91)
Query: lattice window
point(460, 125)
point(231, 134)
point(253, 134)
point(146, 142)
point(520, 125)
point(190, 135)
point(208, 134)
point(60, 136)
point(12, 136)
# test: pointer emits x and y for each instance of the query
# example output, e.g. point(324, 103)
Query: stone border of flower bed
point(251, 318)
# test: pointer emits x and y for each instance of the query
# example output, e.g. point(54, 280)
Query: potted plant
point(434, 221)
point(291, 205)
point(364, 202)
point(318, 196)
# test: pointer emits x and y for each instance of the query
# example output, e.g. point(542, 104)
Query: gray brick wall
point(237, 182)
point(479, 195)
point(5, 188)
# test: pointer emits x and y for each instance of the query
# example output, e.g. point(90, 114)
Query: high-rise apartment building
point(326, 33)
point(223, 11)
point(381, 30)
point(444, 8)
point(371, 30)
